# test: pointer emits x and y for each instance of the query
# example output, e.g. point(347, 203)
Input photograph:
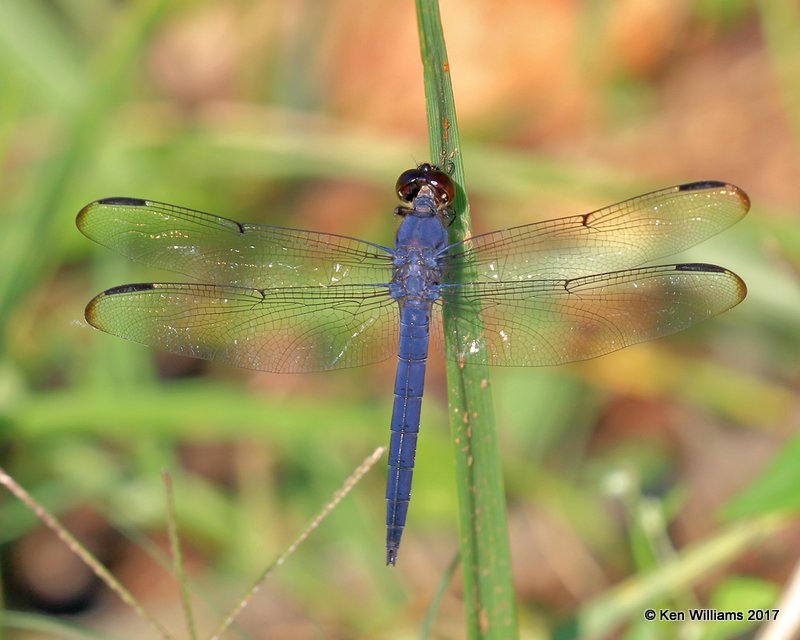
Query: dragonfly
point(288, 300)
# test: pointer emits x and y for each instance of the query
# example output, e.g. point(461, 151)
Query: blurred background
point(303, 114)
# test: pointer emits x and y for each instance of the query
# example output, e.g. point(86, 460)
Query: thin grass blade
point(489, 594)
point(177, 556)
point(52, 523)
point(337, 497)
point(433, 607)
point(631, 598)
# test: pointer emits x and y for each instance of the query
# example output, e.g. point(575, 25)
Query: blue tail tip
point(391, 556)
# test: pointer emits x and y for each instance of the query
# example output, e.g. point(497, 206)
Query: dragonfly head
point(425, 175)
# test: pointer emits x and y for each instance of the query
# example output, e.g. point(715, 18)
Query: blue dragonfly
point(288, 300)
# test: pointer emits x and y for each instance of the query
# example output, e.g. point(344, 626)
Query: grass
point(88, 422)
point(178, 566)
point(83, 131)
point(483, 535)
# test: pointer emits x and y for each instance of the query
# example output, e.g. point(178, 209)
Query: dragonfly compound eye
point(410, 182)
point(442, 185)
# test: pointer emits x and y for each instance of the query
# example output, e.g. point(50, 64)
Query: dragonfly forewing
point(219, 251)
point(621, 236)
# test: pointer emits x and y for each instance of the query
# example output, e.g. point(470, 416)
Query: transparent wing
point(624, 235)
point(295, 329)
point(224, 252)
point(548, 322)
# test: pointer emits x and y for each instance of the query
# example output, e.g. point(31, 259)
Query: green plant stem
point(488, 591)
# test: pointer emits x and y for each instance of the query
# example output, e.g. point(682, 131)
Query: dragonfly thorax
point(421, 230)
point(417, 274)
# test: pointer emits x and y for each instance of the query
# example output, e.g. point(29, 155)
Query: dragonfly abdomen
point(408, 388)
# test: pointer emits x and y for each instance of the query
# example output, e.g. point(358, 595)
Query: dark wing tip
point(90, 313)
point(123, 201)
point(129, 288)
point(700, 266)
point(83, 214)
point(716, 184)
point(712, 268)
point(702, 184)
